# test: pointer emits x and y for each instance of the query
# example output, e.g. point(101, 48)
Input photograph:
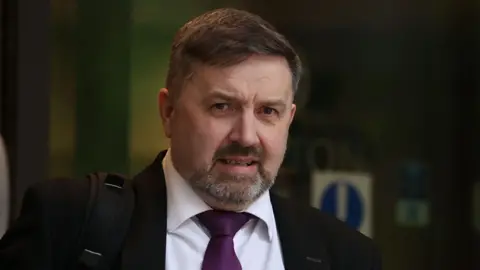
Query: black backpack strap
point(107, 221)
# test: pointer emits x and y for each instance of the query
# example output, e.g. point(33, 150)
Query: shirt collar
point(183, 203)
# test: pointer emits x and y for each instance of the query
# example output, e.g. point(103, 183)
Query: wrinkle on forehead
point(252, 79)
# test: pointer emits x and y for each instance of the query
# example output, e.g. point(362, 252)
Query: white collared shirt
point(256, 244)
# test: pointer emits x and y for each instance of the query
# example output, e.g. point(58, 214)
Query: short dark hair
point(225, 37)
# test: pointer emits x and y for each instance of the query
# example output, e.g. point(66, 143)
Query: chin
point(222, 197)
point(226, 206)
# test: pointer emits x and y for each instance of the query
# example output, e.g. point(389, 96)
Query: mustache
point(236, 149)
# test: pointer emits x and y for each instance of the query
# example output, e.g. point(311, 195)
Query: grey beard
point(225, 190)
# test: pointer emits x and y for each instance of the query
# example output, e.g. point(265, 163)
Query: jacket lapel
point(299, 253)
point(145, 243)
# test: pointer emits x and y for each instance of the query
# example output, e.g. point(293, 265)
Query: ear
point(165, 106)
point(292, 112)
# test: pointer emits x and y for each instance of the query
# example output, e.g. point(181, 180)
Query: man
point(205, 202)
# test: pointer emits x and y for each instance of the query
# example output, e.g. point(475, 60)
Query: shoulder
point(59, 203)
point(50, 219)
point(346, 247)
point(55, 208)
point(61, 193)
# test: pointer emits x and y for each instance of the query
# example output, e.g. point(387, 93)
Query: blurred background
point(384, 137)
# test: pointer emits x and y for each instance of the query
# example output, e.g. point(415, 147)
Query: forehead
point(256, 77)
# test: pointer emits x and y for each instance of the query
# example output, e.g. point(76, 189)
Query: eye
point(220, 106)
point(268, 111)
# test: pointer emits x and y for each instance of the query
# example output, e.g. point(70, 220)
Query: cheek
point(204, 135)
point(274, 142)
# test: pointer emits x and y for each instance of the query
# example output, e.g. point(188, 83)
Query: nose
point(244, 130)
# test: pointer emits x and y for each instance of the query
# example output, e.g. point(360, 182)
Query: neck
point(216, 204)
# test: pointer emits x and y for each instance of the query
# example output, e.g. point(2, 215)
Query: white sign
point(346, 195)
point(4, 189)
point(412, 212)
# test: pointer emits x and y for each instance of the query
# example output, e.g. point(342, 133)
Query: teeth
point(234, 162)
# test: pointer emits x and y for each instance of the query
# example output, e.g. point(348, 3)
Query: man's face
point(229, 128)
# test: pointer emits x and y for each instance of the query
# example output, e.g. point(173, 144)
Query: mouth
point(245, 162)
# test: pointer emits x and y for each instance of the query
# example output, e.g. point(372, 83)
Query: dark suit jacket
point(48, 227)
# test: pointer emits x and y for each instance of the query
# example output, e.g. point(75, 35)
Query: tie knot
point(223, 223)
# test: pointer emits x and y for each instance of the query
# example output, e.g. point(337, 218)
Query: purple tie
point(222, 225)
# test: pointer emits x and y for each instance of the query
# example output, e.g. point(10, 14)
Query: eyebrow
point(277, 103)
point(274, 102)
point(220, 95)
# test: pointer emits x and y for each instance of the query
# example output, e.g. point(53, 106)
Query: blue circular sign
point(354, 205)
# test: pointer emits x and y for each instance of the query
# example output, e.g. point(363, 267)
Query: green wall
point(108, 64)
